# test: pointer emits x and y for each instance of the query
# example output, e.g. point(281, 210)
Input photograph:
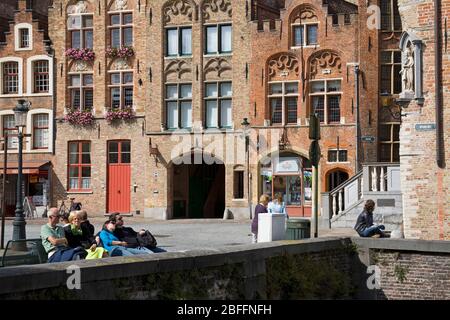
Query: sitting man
point(364, 224)
point(143, 238)
point(55, 243)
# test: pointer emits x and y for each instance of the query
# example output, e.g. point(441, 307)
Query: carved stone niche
point(325, 62)
point(177, 70)
point(78, 7)
point(121, 5)
point(217, 10)
point(411, 72)
point(179, 11)
point(283, 67)
point(120, 64)
point(80, 66)
point(217, 68)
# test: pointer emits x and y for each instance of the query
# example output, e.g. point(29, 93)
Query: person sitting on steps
point(364, 224)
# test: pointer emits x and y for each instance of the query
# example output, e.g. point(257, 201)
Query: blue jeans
point(123, 251)
point(157, 250)
point(368, 232)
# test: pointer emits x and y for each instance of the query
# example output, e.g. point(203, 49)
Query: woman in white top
point(277, 205)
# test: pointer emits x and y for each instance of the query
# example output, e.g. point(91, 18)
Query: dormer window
point(24, 41)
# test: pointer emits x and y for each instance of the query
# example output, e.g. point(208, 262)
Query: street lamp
point(246, 125)
point(20, 118)
point(388, 103)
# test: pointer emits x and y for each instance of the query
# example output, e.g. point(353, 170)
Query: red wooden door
point(119, 176)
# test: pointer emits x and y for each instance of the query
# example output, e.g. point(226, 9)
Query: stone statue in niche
point(407, 71)
point(121, 4)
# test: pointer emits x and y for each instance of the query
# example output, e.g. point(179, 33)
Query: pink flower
point(122, 52)
point(77, 117)
point(85, 54)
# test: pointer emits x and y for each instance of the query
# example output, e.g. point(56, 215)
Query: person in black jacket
point(364, 224)
point(77, 237)
point(131, 237)
point(86, 226)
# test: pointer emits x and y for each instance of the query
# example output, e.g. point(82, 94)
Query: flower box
point(126, 113)
point(122, 52)
point(81, 118)
point(84, 54)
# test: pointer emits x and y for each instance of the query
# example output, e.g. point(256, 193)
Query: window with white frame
point(121, 29)
point(390, 16)
point(218, 39)
point(10, 77)
point(9, 128)
point(325, 99)
point(179, 105)
point(121, 89)
point(41, 76)
point(81, 91)
point(304, 34)
point(81, 29)
point(178, 41)
point(40, 131)
point(283, 100)
point(389, 137)
point(391, 64)
point(24, 38)
point(218, 104)
point(337, 155)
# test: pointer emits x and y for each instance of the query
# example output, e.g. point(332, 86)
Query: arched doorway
point(335, 178)
point(198, 189)
point(291, 175)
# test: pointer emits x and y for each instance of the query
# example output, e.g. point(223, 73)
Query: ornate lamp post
point(20, 118)
point(389, 103)
point(246, 125)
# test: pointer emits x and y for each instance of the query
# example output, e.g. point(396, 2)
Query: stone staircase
point(379, 182)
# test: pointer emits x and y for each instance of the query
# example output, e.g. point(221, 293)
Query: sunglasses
point(55, 216)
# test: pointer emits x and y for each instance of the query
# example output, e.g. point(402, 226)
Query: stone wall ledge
point(34, 277)
point(423, 246)
point(252, 258)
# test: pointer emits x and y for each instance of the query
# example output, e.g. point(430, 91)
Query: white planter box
point(271, 227)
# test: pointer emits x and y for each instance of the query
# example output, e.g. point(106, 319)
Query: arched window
point(39, 75)
point(325, 86)
point(304, 27)
point(335, 178)
point(11, 76)
point(283, 88)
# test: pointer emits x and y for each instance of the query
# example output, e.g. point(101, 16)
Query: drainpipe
point(357, 166)
point(440, 147)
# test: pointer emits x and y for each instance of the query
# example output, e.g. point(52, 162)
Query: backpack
point(147, 240)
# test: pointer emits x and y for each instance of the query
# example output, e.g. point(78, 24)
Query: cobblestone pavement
point(181, 235)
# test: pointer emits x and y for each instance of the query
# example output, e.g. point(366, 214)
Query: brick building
point(304, 61)
point(424, 133)
point(180, 151)
point(181, 81)
point(26, 72)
